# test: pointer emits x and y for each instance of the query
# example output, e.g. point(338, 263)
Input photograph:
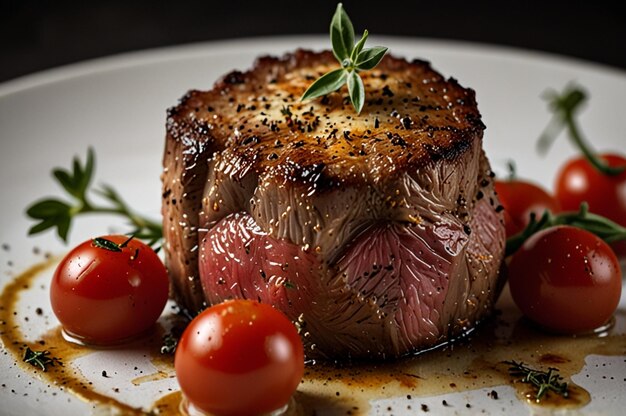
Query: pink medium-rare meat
point(380, 233)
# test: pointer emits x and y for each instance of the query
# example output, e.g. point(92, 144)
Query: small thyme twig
point(564, 107)
point(353, 59)
point(40, 359)
point(51, 212)
point(170, 342)
point(543, 381)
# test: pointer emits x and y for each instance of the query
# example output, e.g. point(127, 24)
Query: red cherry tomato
point(578, 181)
point(102, 296)
point(239, 357)
point(566, 279)
point(520, 199)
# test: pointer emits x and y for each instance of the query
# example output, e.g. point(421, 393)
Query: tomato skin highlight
point(579, 181)
point(239, 357)
point(105, 297)
point(520, 198)
point(565, 279)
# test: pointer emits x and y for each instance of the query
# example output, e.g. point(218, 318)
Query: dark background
point(36, 35)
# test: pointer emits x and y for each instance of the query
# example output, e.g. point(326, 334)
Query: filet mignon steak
point(380, 233)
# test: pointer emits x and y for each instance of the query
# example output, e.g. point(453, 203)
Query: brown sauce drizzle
point(168, 404)
point(63, 376)
point(473, 363)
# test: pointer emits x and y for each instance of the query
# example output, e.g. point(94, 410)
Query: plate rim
point(162, 54)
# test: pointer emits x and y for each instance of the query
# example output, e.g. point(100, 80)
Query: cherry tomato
point(566, 279)
point(102, 296)
point(578, 181)
point(520, 199)
point(239, 357)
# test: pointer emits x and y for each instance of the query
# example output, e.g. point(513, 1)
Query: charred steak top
point(412, 116)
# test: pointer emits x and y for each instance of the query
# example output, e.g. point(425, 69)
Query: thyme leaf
point(41, 359)
point(53, 213)
point(543, 381)
point(105, 244)
point(341, 34)
point(564, 107)
point(327, 83)
point(356, 91)
point(352, 58)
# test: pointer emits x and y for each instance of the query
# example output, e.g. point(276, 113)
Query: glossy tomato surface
point(239, 357)
point(578, 181)
point(520, 199)
point(566, 280)
point(102, 296)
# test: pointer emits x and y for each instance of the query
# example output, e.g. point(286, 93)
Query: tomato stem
point(564, 107)
point(512, 170)
point(604, 228)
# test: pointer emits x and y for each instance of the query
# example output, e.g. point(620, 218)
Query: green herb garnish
point(40, 359)
point(105, 244)
point(353, 59)
point(170, 341)
point(565, 107)
point(543, 381)
point(51, 212)
point(286, 111)
point(604, 228)
point(512, 170)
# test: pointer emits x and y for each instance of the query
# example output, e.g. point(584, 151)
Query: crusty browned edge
point(187, 147)
point(304, 160)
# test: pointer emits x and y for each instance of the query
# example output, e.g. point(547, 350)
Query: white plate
point(117, 105)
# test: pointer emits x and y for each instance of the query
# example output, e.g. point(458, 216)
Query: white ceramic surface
point(117, 105)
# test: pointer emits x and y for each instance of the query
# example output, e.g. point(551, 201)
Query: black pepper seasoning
point(387, 91)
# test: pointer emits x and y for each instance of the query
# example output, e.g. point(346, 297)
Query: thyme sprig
point(604, 228)
point(564, 107)
point(56, 213)
point(170, 342)
point(543, 381)
point(353, 59)
point(41, 359)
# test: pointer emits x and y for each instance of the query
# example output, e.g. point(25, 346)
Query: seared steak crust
point(412, 116)
point(248, 164)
